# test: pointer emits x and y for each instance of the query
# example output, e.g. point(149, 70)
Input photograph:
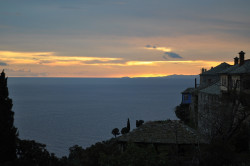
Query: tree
point(139, 123)
point(182, 112)
point(124, 130)
point(128, 125)
point(225, 119)
point(8, 133)
point(32, 153)
point(115, 132)
point(226, 124)
point(136, 156)
point(94, 155)
point(77, 156)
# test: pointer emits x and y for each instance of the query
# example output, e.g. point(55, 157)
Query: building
point(237, 76)
point(187, 96)
point(171, 136)
point(169, 132)
point(208, 77)
point(180, 142)
point(220, 87)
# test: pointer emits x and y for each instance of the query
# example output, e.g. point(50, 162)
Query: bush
point(182, 112)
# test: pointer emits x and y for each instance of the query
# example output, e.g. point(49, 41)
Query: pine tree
point(128, 125)
point(8, 133)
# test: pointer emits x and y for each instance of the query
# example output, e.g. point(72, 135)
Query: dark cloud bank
point(173, 55)
point(169, 54)
point(3, 64)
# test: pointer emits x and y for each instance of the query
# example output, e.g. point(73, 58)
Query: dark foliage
point(135, 155)
point(128, 125)
point(241, 139)
point(217, 153)
point(92, 156)
point(124, 130)
point(139, 123)
point(14, 151)
point(115, 132)
point(228, 152)
point(109, 153)
point(230, 133)
point(77, 156)
point(31, 153)
point(182, 112)
point(8, 133)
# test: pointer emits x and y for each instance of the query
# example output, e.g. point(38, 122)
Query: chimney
point(202, 70)
point(236, 61)
point(242, 57)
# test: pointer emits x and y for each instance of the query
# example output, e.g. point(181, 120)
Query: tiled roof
point(212, 89)
point(217, 69)
point(230, 69)
point(163, 132)
point(245, 68)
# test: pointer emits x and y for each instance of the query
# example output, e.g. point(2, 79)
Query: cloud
point(139, 63)
point(154, 47)
point(3, 64)
point(164, 57)
point(149, 46)
point(19, 70)
point(105, 62)
point(51, 58)
point(166, 51)
point(173, 55)
point(42, 55)
point(24, 72)
point(45, 61)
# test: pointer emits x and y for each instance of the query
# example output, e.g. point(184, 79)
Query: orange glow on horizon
point(150, 75)
point(48, 58)
point(49, 64)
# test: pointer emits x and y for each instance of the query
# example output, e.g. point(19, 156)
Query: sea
point(63, 112)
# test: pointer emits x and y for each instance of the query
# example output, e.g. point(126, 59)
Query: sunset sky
point(118, 38)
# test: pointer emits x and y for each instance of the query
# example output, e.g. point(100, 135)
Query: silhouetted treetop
point(8, 133)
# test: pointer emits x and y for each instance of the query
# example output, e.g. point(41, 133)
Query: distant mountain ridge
point(181, 76)
point(176, 76)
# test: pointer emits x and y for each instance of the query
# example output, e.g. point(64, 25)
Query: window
point(223, 81)
point(236, 83)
